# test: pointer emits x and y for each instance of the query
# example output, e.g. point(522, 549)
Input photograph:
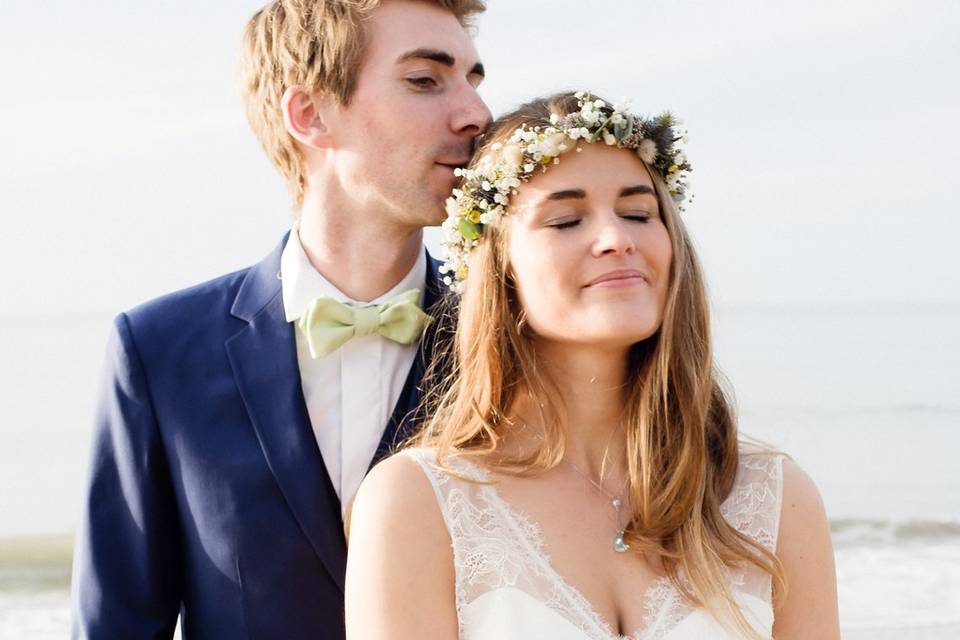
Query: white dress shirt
point(350, 393)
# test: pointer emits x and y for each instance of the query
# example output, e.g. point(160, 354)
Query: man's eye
point(423, 82)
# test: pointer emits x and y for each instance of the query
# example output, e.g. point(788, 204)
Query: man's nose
point(472, 117)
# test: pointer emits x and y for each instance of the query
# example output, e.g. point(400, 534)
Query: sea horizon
point(863, 396)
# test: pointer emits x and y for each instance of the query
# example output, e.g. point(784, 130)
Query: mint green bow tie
point(327, 324)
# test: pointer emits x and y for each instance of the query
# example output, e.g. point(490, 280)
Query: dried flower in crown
point(485, 190)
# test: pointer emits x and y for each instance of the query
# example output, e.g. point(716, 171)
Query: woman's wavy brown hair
point(681, 434)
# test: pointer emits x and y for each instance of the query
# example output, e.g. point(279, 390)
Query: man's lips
point(620, 277)
point(449, 167)
point(453, 164)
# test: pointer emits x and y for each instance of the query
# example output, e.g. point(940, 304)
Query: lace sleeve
point(753, 506)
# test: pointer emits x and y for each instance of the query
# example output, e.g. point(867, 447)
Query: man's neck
point(362, 258)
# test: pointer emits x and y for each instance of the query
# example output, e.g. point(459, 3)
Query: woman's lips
point(619, 278)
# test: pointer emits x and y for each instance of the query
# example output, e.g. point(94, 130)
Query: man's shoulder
point(186, 320)
point(210, 304)
point(211, 296)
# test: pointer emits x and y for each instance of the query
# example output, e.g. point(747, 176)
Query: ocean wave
point(859, 532)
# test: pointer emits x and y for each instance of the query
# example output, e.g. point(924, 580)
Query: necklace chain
point(615, 501)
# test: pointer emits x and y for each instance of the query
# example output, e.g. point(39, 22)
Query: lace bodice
point(506, 587)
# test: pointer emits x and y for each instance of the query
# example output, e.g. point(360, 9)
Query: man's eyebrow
point(440, 57)
point(567, 194)
point(634, 190)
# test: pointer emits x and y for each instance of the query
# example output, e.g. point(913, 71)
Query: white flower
point(552, 143)
point(647, 151)
point(609, 138)
point(528, 168)
point(591, 117)
point(452, 208)
point(617, 118)
point(554, 118)
point(599, 104)
point(680, 158)
point(447, 280)
point(579, 95)
point(486, 167)
point(574, 134)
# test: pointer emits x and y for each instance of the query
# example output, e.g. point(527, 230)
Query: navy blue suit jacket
point(208, 496)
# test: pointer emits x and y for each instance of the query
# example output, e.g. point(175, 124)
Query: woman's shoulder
point(397, 490)
point(396, 541)
point(803, 514)
point(765, 469)
point(774, 498)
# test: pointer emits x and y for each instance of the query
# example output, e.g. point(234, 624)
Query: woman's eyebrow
point(635, 189)
point(567, 194)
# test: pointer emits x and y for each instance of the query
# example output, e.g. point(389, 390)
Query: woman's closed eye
point(633, 216)
point(564, 224)
point(423, 82)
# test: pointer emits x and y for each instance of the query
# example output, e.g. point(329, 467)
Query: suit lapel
point(403, 422)
point(264, 360)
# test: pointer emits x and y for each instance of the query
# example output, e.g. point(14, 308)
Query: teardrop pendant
point(619, 545)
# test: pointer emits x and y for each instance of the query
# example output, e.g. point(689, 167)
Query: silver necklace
point(618, 544)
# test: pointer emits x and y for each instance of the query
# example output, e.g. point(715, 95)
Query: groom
point(238, 417)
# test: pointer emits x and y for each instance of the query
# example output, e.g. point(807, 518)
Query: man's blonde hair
point(318, 44)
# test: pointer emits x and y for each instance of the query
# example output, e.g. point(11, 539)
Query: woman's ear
point(304, 116)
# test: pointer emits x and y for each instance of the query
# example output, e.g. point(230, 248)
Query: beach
point(902, 586)
point(865, 399)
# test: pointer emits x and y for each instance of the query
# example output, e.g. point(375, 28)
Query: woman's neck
point(590, 380)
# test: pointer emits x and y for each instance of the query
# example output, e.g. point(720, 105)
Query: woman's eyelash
point(423, 82)
point(636, 217)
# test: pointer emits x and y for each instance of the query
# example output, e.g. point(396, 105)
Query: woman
point(580, 475)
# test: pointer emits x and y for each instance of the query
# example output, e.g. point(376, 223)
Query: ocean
point(865, 398)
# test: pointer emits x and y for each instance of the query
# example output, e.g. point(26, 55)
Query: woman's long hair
point(681, 434)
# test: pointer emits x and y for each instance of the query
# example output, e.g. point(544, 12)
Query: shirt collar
point(302, 283)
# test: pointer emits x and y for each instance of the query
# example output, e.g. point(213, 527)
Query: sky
point(823, 135)
point(824, 138)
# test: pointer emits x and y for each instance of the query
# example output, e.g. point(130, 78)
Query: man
point(238, 417)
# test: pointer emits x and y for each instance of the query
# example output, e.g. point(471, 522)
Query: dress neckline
point(660, 596)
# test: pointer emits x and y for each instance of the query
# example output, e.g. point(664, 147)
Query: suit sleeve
point(127, 571)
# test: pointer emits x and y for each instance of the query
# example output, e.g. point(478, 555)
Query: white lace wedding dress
point(506, 588)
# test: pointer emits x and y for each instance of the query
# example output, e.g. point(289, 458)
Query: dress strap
point(753, 506)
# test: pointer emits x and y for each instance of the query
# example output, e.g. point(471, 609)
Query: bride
point(580, 475)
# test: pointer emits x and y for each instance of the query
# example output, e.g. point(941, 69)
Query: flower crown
point(485, 190)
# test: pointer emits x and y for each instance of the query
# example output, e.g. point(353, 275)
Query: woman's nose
point(613, 236)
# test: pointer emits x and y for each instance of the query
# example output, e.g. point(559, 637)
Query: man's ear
point(304, 117)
